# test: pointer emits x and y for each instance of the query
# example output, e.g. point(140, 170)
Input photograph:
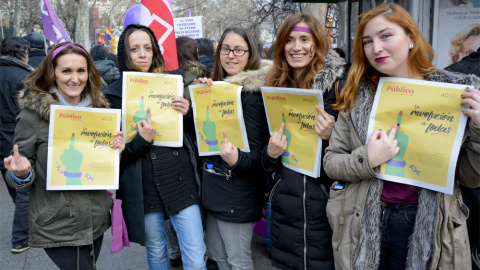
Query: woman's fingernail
point(398, 124)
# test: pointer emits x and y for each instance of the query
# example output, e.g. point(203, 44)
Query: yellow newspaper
point(430, 134)
point(218, 108)
point(79, 153)
point(296, 108)
point(143, 91)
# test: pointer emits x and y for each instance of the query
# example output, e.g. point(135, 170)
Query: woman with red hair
point(380, 224)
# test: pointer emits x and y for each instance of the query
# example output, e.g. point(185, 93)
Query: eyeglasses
point(236, 52)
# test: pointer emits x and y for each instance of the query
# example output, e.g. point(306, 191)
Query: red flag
point(157, 15)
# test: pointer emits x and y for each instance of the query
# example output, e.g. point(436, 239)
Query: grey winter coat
point(439, 240)
point(57, 218)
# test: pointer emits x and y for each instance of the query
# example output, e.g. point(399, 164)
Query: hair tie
point(302, 29)
point(63, 47)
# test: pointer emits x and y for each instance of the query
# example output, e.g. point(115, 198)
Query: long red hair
point(281, 74)
point(419, 59)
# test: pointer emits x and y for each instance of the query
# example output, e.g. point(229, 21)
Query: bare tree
point(82, 23)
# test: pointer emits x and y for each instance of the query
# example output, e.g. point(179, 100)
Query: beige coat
point(346, 159)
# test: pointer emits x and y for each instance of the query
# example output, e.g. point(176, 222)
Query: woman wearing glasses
point(233, 195)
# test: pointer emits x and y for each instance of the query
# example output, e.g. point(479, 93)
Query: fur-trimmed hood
point(252, 80)
point(7, 60)
point(40, 102)
point(333, 71)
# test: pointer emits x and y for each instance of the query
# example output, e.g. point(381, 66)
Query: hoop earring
point(411, 46)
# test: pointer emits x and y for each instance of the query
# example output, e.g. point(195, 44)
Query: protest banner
point(79, 153)
point(218, 108)
point(191, 27)
point(143, 91)
point(296, 108)
point(430, 133)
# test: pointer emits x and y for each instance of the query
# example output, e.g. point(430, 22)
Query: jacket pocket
point(58, 216)
point(218, 192)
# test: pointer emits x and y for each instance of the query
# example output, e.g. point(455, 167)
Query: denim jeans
point(397, 225)
point(20, 217)
point(67, 258)
point(188, 225)
point(173, 249)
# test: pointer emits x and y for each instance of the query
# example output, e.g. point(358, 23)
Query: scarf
point(86, 100)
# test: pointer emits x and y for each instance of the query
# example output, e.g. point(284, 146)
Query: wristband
point(21, 181)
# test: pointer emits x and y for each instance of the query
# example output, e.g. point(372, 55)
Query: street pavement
point(134, 257)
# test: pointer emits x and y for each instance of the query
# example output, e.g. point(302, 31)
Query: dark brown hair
point(253, 62)
point(158, 64)
point(43, 77)
point(187, 53)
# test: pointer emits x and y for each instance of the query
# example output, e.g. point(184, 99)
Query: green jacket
point(57, 218)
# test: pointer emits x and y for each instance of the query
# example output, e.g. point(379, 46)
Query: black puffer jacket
point(468, 65)
point(108, 70)
point(132, 167)
point(12, 73)
point(239, 197)
point(301, 237)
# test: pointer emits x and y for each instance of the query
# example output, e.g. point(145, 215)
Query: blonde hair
point(457, 41)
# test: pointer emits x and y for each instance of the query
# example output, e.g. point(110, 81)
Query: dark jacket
point(57, 217)
point(35, 57)
point(237, 194)
point(12, 73)
point(108, 70)
point(468, 65)
point(131, 166)
point(301, 237)
point(208, 61)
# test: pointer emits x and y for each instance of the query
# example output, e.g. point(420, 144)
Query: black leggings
point(75, 257)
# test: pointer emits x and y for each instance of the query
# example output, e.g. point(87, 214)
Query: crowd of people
point(182, 212)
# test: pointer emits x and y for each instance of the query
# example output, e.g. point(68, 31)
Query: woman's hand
point(18, 165)
point(324, 124)
point(118, 142)
point(206, 80)
point(277, 144)
point(180, 104)
point(472, 98)
point(229, 152)
point(145, 128)
point(382, 147)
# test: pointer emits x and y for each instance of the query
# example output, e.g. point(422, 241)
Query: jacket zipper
point(325, 191)
point(273, 191)
point(304, 225)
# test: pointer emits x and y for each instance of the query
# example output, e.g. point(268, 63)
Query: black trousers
point(69, 258)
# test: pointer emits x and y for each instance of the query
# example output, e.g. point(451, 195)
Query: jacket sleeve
point(341, 162)
point(135, 148)
point(26, 138)
point(468, 169)
point(257, 133)
point(269, 164)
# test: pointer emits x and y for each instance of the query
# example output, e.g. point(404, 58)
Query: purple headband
point(63, 47)
point(302, 29)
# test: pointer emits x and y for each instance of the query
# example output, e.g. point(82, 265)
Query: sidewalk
point(131, 258)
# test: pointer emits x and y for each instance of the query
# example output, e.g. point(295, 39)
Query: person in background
point(111, 56)
point(464, 42)
point(158, 182)
point(381, 224)
point(13, 69)
point(341, 53)
point(107, 68)
point(214, 44)
point(261, 50)
point(302, 59)
point(38, 47)
point(68, 224)
point(470, 64)
point(206, 52)
point(234, 194)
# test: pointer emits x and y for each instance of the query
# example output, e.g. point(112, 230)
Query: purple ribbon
point(396, 163)
point(302, 29)
point(211, 142)
point(72, 175)
point(63, 47)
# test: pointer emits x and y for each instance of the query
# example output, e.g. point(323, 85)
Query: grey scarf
point(86, 100)
point(420, 242)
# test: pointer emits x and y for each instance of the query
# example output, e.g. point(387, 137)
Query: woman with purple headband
point(69, 225)
point(301, 237)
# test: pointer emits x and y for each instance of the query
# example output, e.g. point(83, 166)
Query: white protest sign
point(189, 26)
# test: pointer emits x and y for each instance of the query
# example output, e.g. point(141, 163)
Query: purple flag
point(52, 27)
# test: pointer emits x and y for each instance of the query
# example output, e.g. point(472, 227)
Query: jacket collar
point(8, 60)
point(252, 80)
point(332, 72)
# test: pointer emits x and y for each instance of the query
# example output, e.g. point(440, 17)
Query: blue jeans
point(20, 217)
point(397, 225)
point(188, 225)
